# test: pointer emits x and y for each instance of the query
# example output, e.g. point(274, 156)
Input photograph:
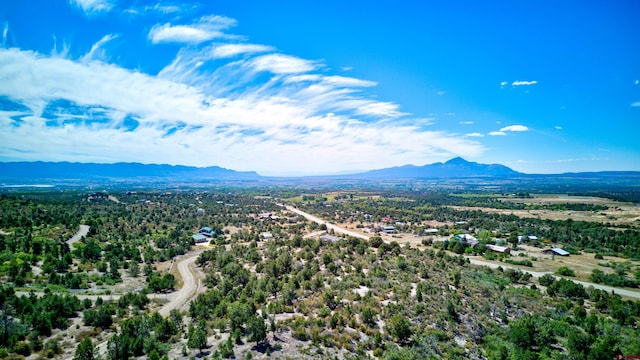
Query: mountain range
point(456, 168)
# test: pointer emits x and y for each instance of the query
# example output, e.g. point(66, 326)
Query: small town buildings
point(431, 231)
point(555, 251)
point(266, 215)
point(266, 235)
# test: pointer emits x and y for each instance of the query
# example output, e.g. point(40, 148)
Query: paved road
point(472, 260)
point(82, 232)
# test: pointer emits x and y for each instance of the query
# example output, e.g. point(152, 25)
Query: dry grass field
point(619, 213)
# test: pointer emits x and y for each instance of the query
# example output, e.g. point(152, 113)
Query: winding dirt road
point(83, 230)
point(472, 260)
point(189, 287)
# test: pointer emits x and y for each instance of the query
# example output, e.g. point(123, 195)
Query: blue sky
point(294, 87)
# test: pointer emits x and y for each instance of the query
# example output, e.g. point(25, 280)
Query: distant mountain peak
point(454, 168)
point(458, 161)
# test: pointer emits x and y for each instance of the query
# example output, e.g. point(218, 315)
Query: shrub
point(565, 271)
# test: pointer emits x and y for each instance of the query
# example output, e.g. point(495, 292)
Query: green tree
point(85, 350)
point(197, 338)
point(522, 332)
point(400, 327)
point(368, 316)
point(256, 330)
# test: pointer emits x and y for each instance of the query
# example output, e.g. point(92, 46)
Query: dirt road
point(334, 227)
point(538, 274)
point(82, 232)
point(189, 284)
point(472, 260)
point(189, 289)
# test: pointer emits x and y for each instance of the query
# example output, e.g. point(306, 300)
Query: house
point(468, 239)
point(329, 238)
point(266, 215)
point(555, 251)
point(199, 238)
point(499, 249)
point(266, 235)
point(389, 229)
point(522, 238)
point(431, 231)
point(206, 231)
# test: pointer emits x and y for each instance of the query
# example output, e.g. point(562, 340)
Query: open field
point(618, 213)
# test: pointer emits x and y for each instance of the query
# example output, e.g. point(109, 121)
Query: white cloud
point(91, 7)
point(5, 31)
point(231, 50)
point(504, 83)
point(246, 132)
point(523, 83)
point(514, 128)
point(281, 64)
point(475, 134)
point(206, 29)
point(573, 160)
point(466, 122)
point(210, 108)
point(497, 133)
point(635, 104)
point(97, 52)
point(346, 68)
point(557, 127)
point(181, 33)
point(164, 9)
point(344, 81)
point(440, 93)
point(636, 82)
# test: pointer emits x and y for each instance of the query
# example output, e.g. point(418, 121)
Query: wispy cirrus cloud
point(97, 51)
point(236, 105)
point(475, 134)
point(498, 133)
point(635, 104)
point(92, 7)
point(5, 32)
point(281, 64)
point(231, 50)
point(207, 28)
